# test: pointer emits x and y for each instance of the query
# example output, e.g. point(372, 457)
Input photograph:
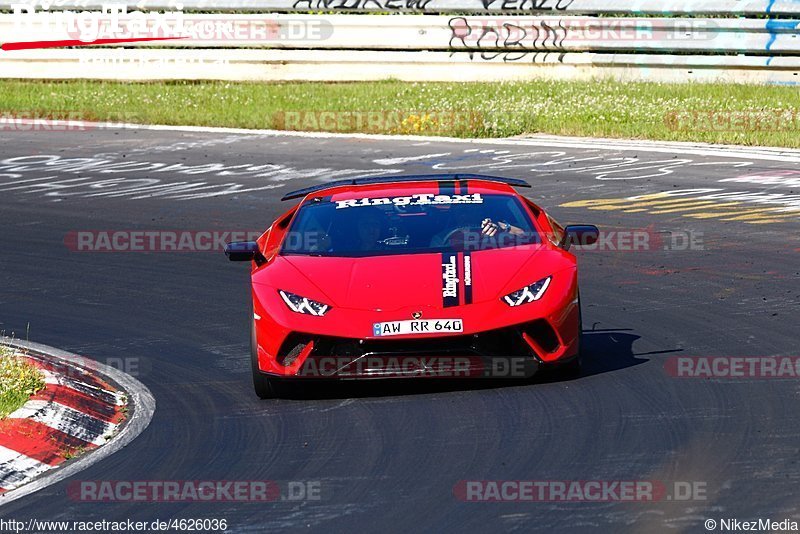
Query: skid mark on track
point(110, 177)
point(742, 206)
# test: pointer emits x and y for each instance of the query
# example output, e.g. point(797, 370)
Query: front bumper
point(497, 340)
point(510, 352)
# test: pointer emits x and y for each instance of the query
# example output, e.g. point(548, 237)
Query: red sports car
point(412, 276)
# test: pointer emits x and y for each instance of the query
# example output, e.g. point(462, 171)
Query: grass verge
point(715, 113)
point(18, 380)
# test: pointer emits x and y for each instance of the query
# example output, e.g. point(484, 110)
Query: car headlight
point(299, 304)
point(528, 293)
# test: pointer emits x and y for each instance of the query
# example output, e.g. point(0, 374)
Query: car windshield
point(410, 224)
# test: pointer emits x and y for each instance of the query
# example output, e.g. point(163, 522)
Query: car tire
point(573, 368)
point(263, 385)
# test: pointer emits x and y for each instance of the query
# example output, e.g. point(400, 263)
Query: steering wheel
point(448, 239)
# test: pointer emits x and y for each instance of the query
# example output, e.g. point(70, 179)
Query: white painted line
point(787, 155)
point(67, 420)
point(140, 400)
point(16, 468)
point(398, 161)
point(669, 147)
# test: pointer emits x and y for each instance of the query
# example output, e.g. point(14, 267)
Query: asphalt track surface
point(387, 456)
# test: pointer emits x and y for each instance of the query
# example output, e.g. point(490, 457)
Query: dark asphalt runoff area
point(720, 277)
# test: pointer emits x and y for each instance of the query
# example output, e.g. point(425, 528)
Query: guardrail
point(422, 32)
point(336, 65)
point(345, 47)
point(518, 7)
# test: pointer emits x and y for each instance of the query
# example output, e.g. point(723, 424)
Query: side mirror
point(580, 234)
point(242, 251)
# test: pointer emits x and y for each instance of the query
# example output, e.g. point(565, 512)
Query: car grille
point(504, 342)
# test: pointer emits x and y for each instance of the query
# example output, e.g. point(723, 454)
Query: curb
point(81, 408)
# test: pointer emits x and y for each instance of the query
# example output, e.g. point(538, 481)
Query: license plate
point(427, 326)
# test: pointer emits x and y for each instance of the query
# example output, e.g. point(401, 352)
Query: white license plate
point(426, 326)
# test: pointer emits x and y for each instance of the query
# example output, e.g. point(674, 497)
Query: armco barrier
point(325, 65)
point(424, 32)
point(518, 7)
point(557, 43)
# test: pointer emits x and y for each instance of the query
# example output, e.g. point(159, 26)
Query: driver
point(370, 229)
point(490, 228)
point(464, 220)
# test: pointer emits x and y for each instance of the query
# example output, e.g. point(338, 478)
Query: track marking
point(689, 206)
point(682, 204)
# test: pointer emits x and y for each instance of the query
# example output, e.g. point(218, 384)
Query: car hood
point(425, 280)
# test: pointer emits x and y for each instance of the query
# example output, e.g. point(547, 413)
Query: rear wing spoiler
point(368, 180)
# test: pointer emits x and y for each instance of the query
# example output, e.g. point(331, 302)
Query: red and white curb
point(85, 407)
point(75, 412)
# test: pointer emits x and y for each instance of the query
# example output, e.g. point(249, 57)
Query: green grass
point(18, 381)
point(735, 114)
